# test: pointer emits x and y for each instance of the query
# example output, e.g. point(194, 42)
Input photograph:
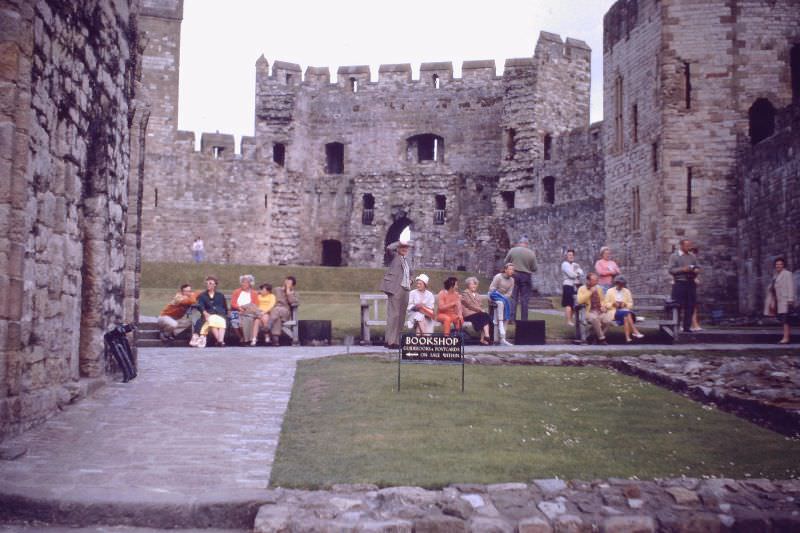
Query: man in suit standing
point(396, 284)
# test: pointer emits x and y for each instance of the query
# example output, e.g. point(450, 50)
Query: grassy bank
point(309, 278)
point(346, 423)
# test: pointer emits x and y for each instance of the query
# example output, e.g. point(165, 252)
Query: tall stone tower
point(683, 83)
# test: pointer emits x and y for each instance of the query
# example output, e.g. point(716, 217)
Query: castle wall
point(769, 213)
point(698, 120)
point(66, 93)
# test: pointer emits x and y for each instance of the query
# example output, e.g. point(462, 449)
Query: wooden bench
point(373, 313)
point(291, 327)
point(658, 312)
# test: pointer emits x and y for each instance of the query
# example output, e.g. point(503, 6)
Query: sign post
point(431, 349)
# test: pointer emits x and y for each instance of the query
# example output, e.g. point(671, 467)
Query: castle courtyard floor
point(190, 442)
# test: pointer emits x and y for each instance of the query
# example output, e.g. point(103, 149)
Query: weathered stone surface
point(629, 524)
point(273, 519)
point(682, 496)
point(534, 525)
point(489, 525)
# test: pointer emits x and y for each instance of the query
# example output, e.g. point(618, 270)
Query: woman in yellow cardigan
point(619, 302)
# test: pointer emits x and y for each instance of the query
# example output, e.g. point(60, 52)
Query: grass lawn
point(346, 424)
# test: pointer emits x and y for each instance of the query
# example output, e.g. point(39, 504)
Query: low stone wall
point(544, 505)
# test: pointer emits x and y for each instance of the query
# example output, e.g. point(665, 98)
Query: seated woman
point(419, 314)
point(266, 301)
point(285, 297)
point(500, 291)
point(244, 308)
point(214, 309)
point(619, 301)
point(448, 301)
point(473, 312)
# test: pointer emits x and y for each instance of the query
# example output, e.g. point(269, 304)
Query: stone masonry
point(681, 82)
point(340, 165)
point(67, 78)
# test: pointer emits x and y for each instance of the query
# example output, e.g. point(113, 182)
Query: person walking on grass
point(396, 285)
point(780, 298)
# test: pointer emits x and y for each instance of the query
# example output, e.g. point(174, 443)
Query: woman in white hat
point(420, 307)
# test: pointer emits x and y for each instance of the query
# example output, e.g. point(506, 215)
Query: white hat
point(405, 243)
point(423, 278)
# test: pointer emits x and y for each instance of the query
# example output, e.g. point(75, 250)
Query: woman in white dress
point(421, 301)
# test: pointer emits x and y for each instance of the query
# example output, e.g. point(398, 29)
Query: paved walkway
point(195, 432)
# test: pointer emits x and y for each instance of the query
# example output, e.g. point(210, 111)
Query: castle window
point(279, 153)
point(288, 79)
point(508, 199)
point(216, 151)
point(436, 82)
point(794, 60)
point(690, 208)
point(654, 156)
point(618, 114)
point(635, 120)
point(426, 147)
point(511, 143)
point(548, 147)
point(266, 201)
point(334, 158)
point(762, 120)
point(549, 190)
point(367, 209)
point(439, 209)
point(636, 215)
point(353, 85)
point(155, 198)
point(687, 84)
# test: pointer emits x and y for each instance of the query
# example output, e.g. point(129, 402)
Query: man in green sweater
point(524, 260)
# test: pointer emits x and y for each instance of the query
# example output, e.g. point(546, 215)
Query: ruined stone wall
point(65, 115)
point(632, 48)
point(693, 70)
point(769, 212)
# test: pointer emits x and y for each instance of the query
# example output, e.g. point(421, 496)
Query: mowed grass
point(346, 423)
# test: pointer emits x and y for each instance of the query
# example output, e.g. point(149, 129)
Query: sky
point(221, 41)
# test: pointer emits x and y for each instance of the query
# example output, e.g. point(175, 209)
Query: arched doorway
point(331, 253)
point(393, 233)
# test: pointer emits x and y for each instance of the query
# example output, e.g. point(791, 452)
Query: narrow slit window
point(655, 156)
point(436, 81)
point(216, 151)
point(266, 201)
point(549, 190)
point(367, 209)
point(155, 198)
point(548, 147)
point(635, 218)
point(439, 209)
point(689, 206)
point(511, 143)
point(353, 85)
point(618, 97)
point(334, 158)
point(635, 121)
point(687, 83)
point(794, 61)
point(279, 154)
point(288, 79)
point(508, 199)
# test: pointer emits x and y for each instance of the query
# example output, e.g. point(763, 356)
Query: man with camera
point(684, 269)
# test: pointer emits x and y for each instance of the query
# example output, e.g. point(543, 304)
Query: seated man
point(172, 319)
point(591, 295)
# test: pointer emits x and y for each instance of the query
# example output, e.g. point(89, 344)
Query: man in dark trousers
point(396, 284)
point(683, 267)
point(524, 260)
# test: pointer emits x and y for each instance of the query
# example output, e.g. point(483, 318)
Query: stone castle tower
point(698, 108)
point(693, 91)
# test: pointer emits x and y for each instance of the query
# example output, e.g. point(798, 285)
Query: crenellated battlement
point(550, 48)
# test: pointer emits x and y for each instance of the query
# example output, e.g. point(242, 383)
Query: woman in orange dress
point(449, 302)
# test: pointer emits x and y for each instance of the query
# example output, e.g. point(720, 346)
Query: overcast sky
point(221, 41)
